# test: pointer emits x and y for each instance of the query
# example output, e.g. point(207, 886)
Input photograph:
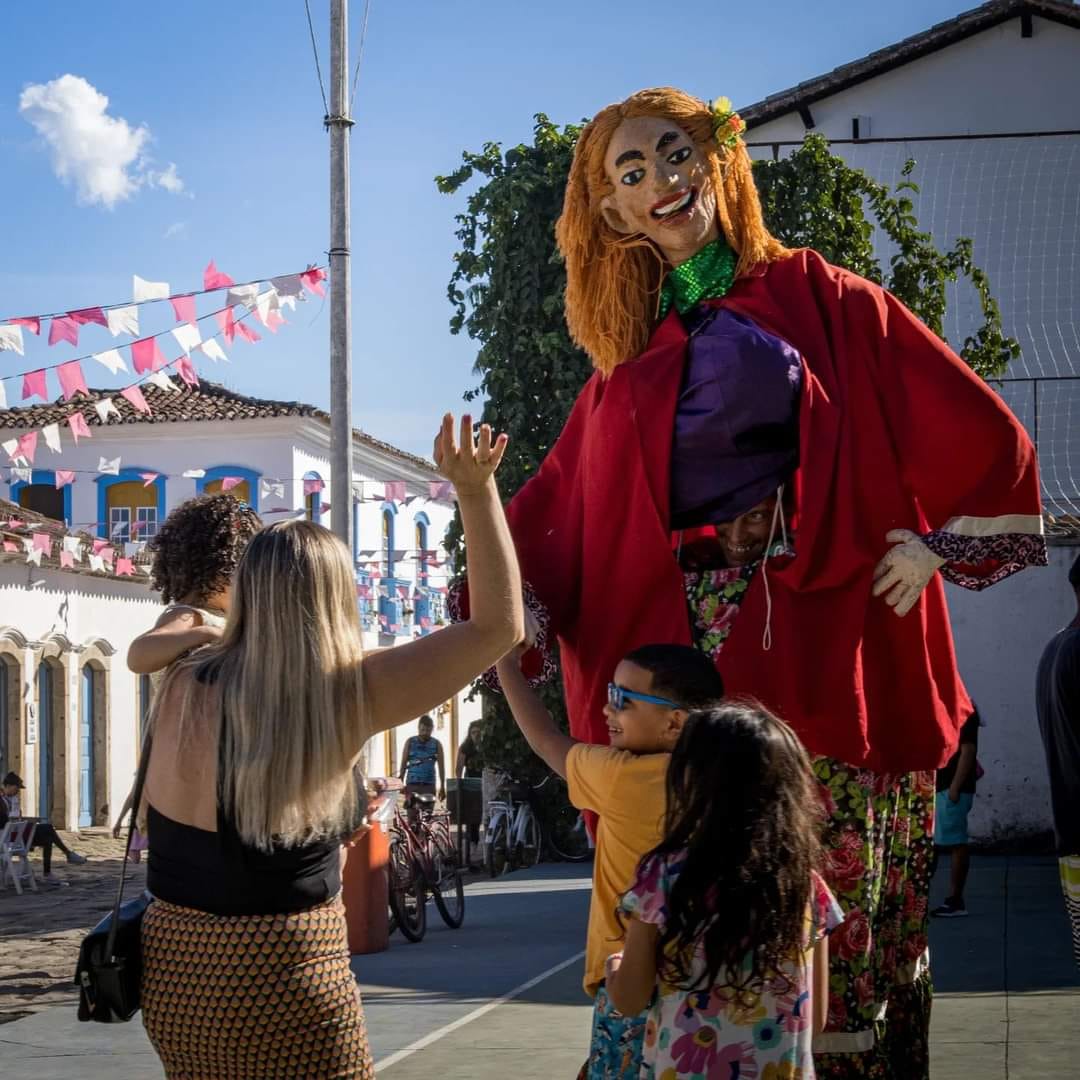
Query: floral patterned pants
point(878, 841)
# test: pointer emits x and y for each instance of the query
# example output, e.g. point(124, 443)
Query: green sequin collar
point(705, 276)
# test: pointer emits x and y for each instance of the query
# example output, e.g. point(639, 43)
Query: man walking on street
point(1057, 696)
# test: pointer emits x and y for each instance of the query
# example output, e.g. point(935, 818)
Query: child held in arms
point(195, 554)
point(653, 690)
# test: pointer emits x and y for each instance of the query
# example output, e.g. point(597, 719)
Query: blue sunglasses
point(617, 697)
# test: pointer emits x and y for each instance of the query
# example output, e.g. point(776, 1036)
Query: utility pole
point(338, 123)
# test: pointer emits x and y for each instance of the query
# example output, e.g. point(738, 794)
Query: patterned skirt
point(238, 997)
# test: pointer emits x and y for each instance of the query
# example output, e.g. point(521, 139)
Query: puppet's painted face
point(662, 187)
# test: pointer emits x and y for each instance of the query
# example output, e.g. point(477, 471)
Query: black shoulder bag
point(109, 972)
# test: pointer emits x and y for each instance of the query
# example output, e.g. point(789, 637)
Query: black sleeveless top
point(220, 874)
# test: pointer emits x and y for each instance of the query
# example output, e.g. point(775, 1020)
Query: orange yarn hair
point(613, 281)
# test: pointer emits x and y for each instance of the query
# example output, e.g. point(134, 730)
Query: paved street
point(501, 997)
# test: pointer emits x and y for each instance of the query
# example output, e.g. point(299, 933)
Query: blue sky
point(230, 97)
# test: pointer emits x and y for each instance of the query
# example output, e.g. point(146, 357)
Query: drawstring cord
point(778, 516)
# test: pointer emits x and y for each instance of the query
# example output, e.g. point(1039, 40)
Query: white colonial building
point(74, 740)
point(988, 106)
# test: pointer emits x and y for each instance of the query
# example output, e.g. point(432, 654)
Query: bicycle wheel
point(448, 891)
point(531, 846)
point(406, 890)
point(495, 846)
point(568, 838)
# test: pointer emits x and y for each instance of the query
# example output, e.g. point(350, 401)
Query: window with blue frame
point(128, 507)
point(247, 490)
point(313, 498)
point(42, 497)
point(422, 615)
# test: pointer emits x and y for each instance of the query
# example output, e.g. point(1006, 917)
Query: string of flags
point(145, 353)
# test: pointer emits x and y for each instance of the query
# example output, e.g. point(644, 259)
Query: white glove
point(905, 571)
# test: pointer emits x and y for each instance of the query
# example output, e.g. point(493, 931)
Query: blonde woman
point(250, 790)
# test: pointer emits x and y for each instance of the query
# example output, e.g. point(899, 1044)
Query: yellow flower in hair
point(722, 108)
point(728, 125)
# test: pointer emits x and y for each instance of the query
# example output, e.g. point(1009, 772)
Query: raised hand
point(468, 465)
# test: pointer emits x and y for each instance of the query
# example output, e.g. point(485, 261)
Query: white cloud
point(103, 156)
point(177, 228)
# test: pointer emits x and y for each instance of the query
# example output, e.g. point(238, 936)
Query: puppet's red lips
point(674, 205)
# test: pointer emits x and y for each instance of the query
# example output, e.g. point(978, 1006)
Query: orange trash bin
point(364, 888)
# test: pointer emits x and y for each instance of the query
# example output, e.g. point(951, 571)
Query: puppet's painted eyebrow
point(666, 140)
point(629, 155)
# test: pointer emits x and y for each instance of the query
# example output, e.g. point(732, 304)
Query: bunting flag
point(187, 337)
point(213, 350)
point(31, 322)
point(184, 308)
point(194, 474)
point(3, 392)
point(79, 427)
point(51, 434)
point(394, 491)
point(67, 560)
point(109, 466)
point(142, 291)
point(33, 552)
point(97, 564)
point(112, 360)
point(312, 279)
point(34, 385)
point(10, 545)
point(105, 408)
point(313, 486)
point(89, 315)
point(440, 490)
point(148, 478)
point(275, 488)
point(135, 396)
point(213, 278)
point(73, 546)
point(146, 355)
point(186, 370)
point(11, 339)
point(163, 382)
point(28, 446)
point(64, 477)
point(42, 542)
point(229, 482)
point(64, 328)
point(72, 380)
point(248, 333)
point(124, 567)
point(123, 320)
point(100, 546)
point(22, 475)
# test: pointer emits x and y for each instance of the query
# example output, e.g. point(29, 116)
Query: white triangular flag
point(97, 563)
point(11, 339)
point(187, 337)
point(33, 554)
point(213, 350)
point(51, 434)
point(133, 547)
point(148, 290)
point(109, 466)
point(22, 472)
point(286, 301)
point(3, 395)
point(194, 474)
point(111, 359)
point(275, 488)
point(264, 302)
point(105, 408)
point(162, 381)
point(243, 294)
point(123, 320)
point(290, 285)
point(74, 547)
point(10, 446)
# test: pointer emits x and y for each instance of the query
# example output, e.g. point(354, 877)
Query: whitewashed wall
point(1000, 636)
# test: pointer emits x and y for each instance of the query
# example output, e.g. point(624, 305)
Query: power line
point(359, 53)
point(315, 51)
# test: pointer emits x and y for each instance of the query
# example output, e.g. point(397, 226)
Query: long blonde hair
point(612, 281)
point(287, 675)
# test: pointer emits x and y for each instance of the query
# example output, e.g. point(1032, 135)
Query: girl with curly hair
point(195, 553)
point(727, 916)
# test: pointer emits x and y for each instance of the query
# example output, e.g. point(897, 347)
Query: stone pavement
point(501, 997)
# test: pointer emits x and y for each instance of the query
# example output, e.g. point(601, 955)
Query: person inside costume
point(735, 375)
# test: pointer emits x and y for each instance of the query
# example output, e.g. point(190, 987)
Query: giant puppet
point(740, 382)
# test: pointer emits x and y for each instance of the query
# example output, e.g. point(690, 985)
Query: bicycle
point(423, 859)
point(514, 836)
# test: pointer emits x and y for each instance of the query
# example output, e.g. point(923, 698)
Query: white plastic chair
point(15, 842)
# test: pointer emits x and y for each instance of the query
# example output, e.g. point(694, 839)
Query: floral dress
point(708, 1034)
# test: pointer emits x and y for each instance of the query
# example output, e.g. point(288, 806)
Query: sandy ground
point(40, 932)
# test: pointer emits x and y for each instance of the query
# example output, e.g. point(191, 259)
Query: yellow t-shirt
point(628, 791)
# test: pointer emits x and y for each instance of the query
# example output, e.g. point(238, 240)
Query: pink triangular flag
point(43, 543)
point(213, 278)
point(186, 370)
point(247, 332)
point(146, 356)
point(229, 482)
point(89, 315)
point(64, 477)
point(135, 396)
point(273, 321)
point(440, 489)
point(184, 306)
point(67, 560)
point(64, 328)
point(148, 478)
point(313, 486)
point(228, 324)
point(31, 322)
point(100, 546)
point(34, 384)
point(10, 545)
point(72, 380)
point(27, 446)
point(312, 278)
point(79, 429)
point(394, 490)
point(124, 567)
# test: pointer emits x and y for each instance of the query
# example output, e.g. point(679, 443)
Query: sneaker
point(953, 908)
point(75, 858)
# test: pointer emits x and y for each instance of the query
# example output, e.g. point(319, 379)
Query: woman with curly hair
point(196, 552)
point(728, 917)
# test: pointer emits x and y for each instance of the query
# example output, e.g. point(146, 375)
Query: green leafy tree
point(508, 285)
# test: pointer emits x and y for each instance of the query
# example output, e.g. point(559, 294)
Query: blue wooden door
point(44, 734)
point(86, 749)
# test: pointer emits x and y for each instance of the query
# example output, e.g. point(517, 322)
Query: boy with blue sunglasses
point(652, 691)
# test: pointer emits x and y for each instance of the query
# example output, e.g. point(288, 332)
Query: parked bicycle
point(515, 835)
point(422, 860)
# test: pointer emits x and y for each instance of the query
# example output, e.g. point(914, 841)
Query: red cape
point(895, 432)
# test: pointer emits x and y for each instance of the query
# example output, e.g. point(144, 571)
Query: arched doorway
point(88, 721)
point(46, 715)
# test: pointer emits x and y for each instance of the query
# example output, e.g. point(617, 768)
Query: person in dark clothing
point(45, 836)
point(955, 794)
point(470, 766)
point(1057, 699)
